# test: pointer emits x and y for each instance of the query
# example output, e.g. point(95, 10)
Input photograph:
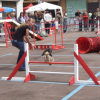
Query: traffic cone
point(50, 33)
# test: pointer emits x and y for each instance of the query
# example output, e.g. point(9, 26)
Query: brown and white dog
point(47, 55)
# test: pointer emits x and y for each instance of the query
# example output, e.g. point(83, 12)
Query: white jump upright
point(98, 28)
point(2, 34)
point(76, 70)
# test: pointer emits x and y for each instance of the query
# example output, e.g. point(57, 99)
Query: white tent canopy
point(43, 6)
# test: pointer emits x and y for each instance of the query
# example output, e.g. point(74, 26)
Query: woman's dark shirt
point(20, 33)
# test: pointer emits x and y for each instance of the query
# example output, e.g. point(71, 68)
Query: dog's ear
point(50, 50)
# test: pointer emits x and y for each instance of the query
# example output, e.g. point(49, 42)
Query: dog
point(47, 55)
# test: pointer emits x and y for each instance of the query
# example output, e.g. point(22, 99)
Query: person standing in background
point(21, 18)
point(13, 16)
point(65, 23)
point(36, 26)
point(31, 16)
point(76, 18)
point(92, 21)
point(57, 20)
point(26, 17)
point(97, 14)
point(80, 22)
point(1, 28)
point(85, 19)
point(90, 14)
point(47, 19)
point(9, 25)
point(84, 11)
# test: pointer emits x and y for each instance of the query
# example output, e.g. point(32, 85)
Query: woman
point(9, 25)
point(21, 36)
point(65, 23)
point(21, 18)
point(57, 19)
point(85, 19)
point(26, 17)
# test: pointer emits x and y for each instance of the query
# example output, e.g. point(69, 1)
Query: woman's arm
point(27, 39)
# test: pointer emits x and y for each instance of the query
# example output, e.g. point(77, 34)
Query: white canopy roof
point(43, 6)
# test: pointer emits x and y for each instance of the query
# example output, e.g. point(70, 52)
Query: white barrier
point(4, 34)
point(98, 28)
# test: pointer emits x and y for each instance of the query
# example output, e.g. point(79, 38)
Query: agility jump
point(75, 79)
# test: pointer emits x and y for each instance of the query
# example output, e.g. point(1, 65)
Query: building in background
point(34, 2)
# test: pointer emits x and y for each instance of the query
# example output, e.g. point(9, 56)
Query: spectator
point(97, 14)
point(65, 23)
point(77, 16)
point(0, 29)
point(65, 13)
point(39, 21)
point(52, 20)
point(13, 16)
point(12, 27)
point(31, 16)
point(47, 19)
point(35, 17)
point(57, 19)
point(21, 18)
point(84, 12)
point(85, 19)
point(80, 22)
point(26, 17)
point(92, 21)
point(90, 14)
point(9, 25)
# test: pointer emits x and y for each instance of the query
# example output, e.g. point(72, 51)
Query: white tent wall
point(43, 6)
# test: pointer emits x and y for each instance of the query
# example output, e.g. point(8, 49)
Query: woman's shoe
point(22, 70)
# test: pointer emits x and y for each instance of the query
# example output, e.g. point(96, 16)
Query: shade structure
point(25, 8)
point(43, 6)
point(88, 44)
point(8, 9)
point(1, 9)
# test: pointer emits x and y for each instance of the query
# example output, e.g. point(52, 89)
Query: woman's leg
point(20, 46)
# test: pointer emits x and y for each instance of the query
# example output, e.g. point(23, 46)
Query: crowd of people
point(89, 19)
point(45, 20)
point(42, 20)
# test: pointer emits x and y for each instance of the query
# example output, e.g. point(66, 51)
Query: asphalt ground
point(50, 86)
